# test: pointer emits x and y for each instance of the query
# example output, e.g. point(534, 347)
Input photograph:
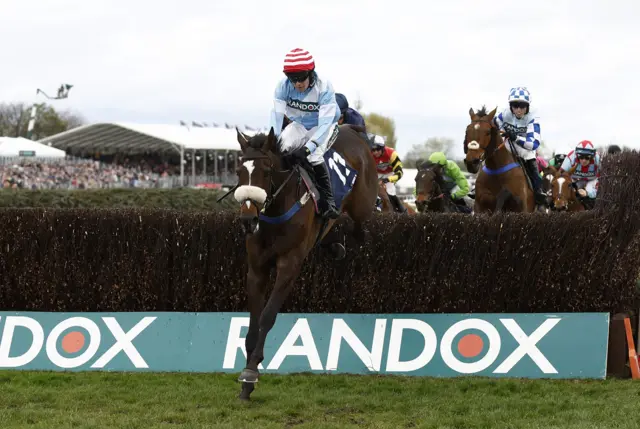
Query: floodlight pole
point(63, 92)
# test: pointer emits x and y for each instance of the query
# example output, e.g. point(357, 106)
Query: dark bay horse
point(502, 184)
point(268, 192)
point(429, 189)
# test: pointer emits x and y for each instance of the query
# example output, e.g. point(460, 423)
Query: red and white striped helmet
point(585, 147)
point(298, 60)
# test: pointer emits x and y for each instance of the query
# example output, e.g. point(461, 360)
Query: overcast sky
point(422, 63)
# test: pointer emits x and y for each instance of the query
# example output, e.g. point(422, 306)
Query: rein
point(484, 155)
point(272, 195)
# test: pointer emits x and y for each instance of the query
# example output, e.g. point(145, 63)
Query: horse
point(502, 184)
point(563, 193)
point(387, 206)
point(429, 189)
point(548, 174)
point(281, 224)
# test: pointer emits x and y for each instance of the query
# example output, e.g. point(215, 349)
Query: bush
point(178, 198)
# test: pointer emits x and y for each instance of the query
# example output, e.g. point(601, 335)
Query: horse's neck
point(436, 190)
point(573, 193)
point(500, 158)
point(287, 196)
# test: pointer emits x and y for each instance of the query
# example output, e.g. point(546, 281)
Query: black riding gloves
point(300, 155)
point(511, 135)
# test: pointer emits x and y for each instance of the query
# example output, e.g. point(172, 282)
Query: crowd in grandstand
point(118, 171)
point(79, 173)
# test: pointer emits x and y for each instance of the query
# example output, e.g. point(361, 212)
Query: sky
point(425, 64)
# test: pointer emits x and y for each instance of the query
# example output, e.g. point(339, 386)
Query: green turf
point(139, 400)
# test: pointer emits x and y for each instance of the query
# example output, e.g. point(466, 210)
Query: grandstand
point(213, 152)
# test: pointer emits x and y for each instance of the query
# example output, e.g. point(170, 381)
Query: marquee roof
point(139, 138)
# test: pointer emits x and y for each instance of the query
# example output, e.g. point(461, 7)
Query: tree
point(383, 126)
point(378, 124)
point(424, 150)
point(357, 104)
point(14, 120)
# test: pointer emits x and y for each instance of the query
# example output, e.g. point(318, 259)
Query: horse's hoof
point(338, 251)
point(249, 376)
point(245, 393)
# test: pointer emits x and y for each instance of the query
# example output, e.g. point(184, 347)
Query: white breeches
point(391, 187)
point(521, 152)
point(295, 135)
point(591, 186)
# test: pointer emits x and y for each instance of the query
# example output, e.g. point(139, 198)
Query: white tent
point(19, 146)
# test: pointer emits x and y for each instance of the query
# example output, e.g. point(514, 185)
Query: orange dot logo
point(73, 342)
point(470, 345)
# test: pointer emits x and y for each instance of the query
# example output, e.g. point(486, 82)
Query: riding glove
point(300, 155)
point(511, 135)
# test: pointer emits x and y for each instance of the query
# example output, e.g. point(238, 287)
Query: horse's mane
point(482, 112)
point(428, 165)
point(258, 140)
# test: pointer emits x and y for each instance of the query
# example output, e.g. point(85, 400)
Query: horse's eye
point(267, 170)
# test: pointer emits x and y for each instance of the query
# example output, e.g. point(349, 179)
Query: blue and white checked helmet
point(520, 93)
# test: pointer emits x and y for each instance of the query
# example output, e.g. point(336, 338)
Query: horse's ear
point(242, 139)
point(270, 143)
point(419, 163)
point(472, 114)
point(552, 169)
point(572, 170)
point(492, 114)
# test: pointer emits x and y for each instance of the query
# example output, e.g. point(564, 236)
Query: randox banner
point(563, 345)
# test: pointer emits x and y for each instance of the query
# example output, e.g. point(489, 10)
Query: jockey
point(310, 103)
point(455, 184)
point(348, 115)
point(587, 162)
point(522, 128)
point(557, 160)
point(613, 149)
point(389, 169)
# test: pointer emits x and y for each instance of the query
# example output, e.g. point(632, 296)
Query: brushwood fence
point(170, 260)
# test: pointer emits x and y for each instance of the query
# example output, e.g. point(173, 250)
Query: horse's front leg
point(257, 278)
point(288, 267)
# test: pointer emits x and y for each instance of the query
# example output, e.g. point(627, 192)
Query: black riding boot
point(327, 204)
point(400, 208)
point(532, 170)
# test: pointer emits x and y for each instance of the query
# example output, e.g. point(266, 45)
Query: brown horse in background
point(502, 184)
point(387, 205)
point(430, 196)
point(268, 195)
point(563, 194)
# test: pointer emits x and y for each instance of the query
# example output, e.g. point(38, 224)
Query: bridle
point(271, 196)
point(484, 156)
point(568, 202)
point(431, 198)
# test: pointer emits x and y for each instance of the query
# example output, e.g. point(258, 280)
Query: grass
point(145, 400)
